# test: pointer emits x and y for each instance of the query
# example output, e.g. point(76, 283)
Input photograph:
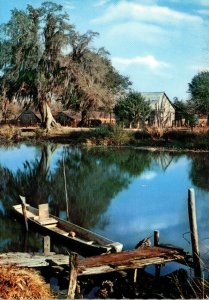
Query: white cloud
point(194, 2)
point(138, 31)
point(204, 2)
point(150, 61)
point(148, 175)
point(101, 3)
point(203, 12)
point(68, 5)
point(151, 13)
point(198, 68)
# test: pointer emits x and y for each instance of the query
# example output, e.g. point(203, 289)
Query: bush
point(110, 135)
point(9, 132)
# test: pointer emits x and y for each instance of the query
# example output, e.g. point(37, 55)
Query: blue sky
point(159, 44)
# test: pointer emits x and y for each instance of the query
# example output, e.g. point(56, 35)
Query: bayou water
point(124, 194)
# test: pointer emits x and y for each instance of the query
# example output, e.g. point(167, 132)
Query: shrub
point(9, 132)
point(110, 135)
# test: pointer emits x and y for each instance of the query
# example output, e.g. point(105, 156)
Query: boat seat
point(47, 221)
point(43, 215)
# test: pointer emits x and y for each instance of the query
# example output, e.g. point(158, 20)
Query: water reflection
point(124, 194)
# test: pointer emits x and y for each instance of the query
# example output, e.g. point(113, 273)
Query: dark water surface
point(123, 194)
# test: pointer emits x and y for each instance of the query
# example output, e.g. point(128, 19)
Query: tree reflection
point(199, 172)
point(94, 177)
point(92, 183)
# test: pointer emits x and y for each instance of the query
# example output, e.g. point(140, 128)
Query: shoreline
point(173, 141)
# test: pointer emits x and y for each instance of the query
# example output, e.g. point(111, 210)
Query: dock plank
point(132, 259)
point(98, 264)
point(22, 259)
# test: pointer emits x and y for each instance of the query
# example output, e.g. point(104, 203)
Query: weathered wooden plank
point(32, 260)
point(127, 260)
point(98, 264)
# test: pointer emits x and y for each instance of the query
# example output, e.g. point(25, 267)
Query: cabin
point(28, 118)
point(68, 118)
point(163, 110)
point(97, 118)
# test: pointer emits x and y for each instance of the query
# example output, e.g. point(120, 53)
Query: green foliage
point(133, 108)
point(110, 135)
point(35, 69)
point(199, 90)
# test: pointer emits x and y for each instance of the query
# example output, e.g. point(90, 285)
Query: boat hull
point(93, 244)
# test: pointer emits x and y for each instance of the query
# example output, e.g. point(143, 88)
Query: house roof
point(154, 97)
point(71, 114)
point(29, 111)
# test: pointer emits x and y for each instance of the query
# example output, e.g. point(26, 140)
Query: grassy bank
point(173, 139)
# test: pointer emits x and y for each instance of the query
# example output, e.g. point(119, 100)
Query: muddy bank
point(172, 140)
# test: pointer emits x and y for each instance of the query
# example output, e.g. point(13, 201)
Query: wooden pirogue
point(67, 232)
point(132, 259)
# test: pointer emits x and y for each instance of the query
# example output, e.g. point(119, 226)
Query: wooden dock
point(132, 259)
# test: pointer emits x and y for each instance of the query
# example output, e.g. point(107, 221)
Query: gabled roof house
point(163, 110)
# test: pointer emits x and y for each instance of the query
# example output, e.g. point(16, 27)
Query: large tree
point(37, 71)
point(199, 91)
point(30, 59)
point(94, 83)
point(133, 108)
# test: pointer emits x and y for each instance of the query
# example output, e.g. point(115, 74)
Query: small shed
point(28, 118)
point(68, 118)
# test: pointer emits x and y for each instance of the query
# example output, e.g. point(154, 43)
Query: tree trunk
point(137, 125)
point(84, 118)
point(38, 192)
point(47, 120)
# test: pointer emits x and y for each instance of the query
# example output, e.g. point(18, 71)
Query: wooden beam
point(22, 259)
point(133, 259)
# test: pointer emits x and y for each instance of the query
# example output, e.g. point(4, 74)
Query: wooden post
point(46, 245)
point(73, 275)
point(135, 275)
point(23, 203)
point(194, 232)
point(156, 243)
point(65, 182)
point(156, 237)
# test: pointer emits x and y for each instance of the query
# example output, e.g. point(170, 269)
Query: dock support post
point(194, 233)
point(46, 245)
point(135, 275)
point(73, 275)
point(23, 203)
point(156, 243)
point(156, 238)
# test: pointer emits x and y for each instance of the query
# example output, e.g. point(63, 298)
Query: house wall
point(164, 112)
